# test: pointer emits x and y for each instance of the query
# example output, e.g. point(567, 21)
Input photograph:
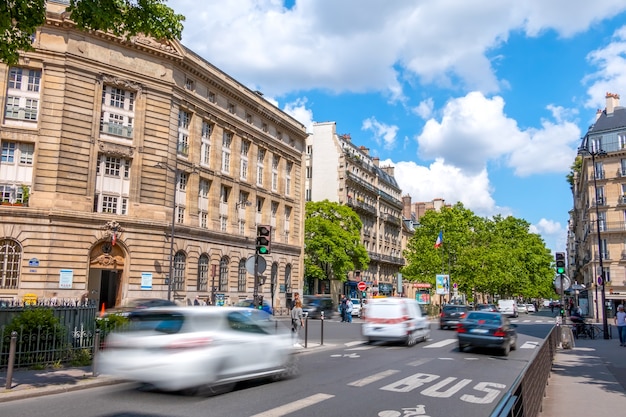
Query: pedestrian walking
point(349, 307)
point(620, 322)
point(342, 308)
point(297, 321)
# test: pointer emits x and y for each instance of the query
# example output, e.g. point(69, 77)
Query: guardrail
point(526, 395)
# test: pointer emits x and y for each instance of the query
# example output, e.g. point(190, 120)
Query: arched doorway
point(106, 271)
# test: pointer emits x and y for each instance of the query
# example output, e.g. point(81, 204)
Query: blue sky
point(478, 101)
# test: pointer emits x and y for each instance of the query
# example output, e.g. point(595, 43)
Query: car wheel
point(514, 344)
point(291, 369)
point(461, 347)
point(506, 350)
point(411, 339)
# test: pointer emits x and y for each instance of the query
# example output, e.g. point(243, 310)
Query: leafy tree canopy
point(19, 20)
point(332, 240)
point(493, 256)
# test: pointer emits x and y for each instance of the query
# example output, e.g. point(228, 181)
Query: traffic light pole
point(255, 291)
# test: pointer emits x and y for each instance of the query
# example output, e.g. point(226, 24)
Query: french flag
point(439, 240)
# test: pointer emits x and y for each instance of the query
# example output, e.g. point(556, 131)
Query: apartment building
point(136, 169)
point(340, 171)
point(597, 225)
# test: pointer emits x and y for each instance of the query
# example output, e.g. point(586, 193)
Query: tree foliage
point(492, 256)
point(19, 20)
point(332, 240)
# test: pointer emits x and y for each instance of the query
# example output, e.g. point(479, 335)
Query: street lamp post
point(605, 324)
point(171, 265)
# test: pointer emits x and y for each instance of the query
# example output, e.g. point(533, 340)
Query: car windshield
point(454, 309)
point(483, 318)
point(168, 323)
point(384, 311)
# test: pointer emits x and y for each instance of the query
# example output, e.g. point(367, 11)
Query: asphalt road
point(344, 378)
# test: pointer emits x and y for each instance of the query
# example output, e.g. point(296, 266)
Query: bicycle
point(585, 330)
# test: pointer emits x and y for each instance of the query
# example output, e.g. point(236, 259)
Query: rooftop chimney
point(376, 160)
point(598, 114)
point(612, 101)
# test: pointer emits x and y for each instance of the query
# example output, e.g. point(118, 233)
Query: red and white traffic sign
point(361, 286)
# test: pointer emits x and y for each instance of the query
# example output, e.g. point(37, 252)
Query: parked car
point(531, 308)
point(393, 319)
point(508, 308)
point(486, 307)
point(356, 307)
point(183, 348)
point(250, 304)
point(313, 305)
point(521, 308)
point(451, 315)
point(487, 329)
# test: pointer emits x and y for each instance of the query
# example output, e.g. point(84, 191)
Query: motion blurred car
point(451, 315)
point(184, 348)
point(250, 304)
point(531, 308)
point(486, 307)
point(521, 308)
point(488, 330)
point(394, 319)
point(139, 304)
point(314, 305)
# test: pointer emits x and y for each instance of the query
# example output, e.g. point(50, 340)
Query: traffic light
point(363, 294)
point(560, 262)
point(263, 240)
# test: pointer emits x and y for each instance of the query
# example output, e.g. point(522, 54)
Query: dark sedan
point(451, 315)
point(487, 329)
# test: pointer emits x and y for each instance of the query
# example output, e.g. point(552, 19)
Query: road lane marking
point(442, 343)
point(356, 342)
point(419, 362)
point(373, 378)
point(529, 345)
point(294, 406)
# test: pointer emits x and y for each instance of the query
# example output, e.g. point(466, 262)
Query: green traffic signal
point(560, 262)
point(263, 239)
point(560, 270)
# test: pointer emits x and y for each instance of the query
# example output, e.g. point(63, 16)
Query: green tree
point(490, 256)
point(19, 20)
point(332, 241)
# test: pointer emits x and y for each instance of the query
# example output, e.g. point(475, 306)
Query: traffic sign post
point(362, 286)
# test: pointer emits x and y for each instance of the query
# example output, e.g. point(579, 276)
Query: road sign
point(361, 286)
point(260, 267)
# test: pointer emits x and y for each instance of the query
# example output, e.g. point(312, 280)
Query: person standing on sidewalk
point(620, 322)
point(297, 321)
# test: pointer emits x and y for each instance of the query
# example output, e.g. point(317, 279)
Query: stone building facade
point(123, 161)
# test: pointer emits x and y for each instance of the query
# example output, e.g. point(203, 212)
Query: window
point(203, 273)
point(118, 112)
point(288, 170)
point(231, 108)
point(248, 118)
point(22, 96)
point(275, 160)
point(274, 277)
point(243, 169)
point(288, 276)
point(10, 262)
point(241, 278)
point(259, 167)
point(211, 96)
point(205, 145)
point(189, 84)
point(180, 260)
point(112, 185)
point(227, 139)
point(264, 127)
point(184, 119)
point(223, 282)
point(274, 209)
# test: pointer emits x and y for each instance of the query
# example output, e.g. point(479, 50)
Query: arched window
point(10, 261)
point(180, 260)
point(223, 286)
point(241, 277)
point(203, 272)
point(288, 278)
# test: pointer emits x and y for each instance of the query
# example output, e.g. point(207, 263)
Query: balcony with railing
point(21, 113)
point(116, 129)
point(361, 205)
point(598, 175)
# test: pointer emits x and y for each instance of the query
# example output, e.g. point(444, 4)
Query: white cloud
point(383, 133)
point(611, 74)
point(553, 234)
point(298, 110)
point(425, 108)
point(367, 45)
point(474, 130)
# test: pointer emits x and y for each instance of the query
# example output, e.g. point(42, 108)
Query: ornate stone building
point(123, 161)
point(337, 170)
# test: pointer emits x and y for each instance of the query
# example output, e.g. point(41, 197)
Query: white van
point(394, 319)
point(508, 308)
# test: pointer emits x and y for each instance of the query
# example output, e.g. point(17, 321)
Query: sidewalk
point(588, 380)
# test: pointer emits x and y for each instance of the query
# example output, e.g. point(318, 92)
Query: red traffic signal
point(263, 240)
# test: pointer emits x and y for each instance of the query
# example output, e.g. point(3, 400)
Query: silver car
point(184, 348)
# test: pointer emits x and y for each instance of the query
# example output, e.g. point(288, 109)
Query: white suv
point(508, 308)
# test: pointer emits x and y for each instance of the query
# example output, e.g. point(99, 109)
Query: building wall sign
point(66, 277)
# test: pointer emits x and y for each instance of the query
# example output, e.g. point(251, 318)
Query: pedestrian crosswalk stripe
point(294, 406)
point(442, 343)
point(529, 345)
point(373, 378)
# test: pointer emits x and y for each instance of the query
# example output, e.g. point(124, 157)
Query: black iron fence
point(527, 392)
point(69, 341)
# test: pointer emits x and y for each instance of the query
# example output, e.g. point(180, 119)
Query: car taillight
point(194, 343)
point(441, 315)
point(463, 314)
point(499, 332)
point(460, 328)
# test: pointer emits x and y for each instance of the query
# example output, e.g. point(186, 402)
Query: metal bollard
point(96, 349)
point(322, 329)
point(11, 360)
